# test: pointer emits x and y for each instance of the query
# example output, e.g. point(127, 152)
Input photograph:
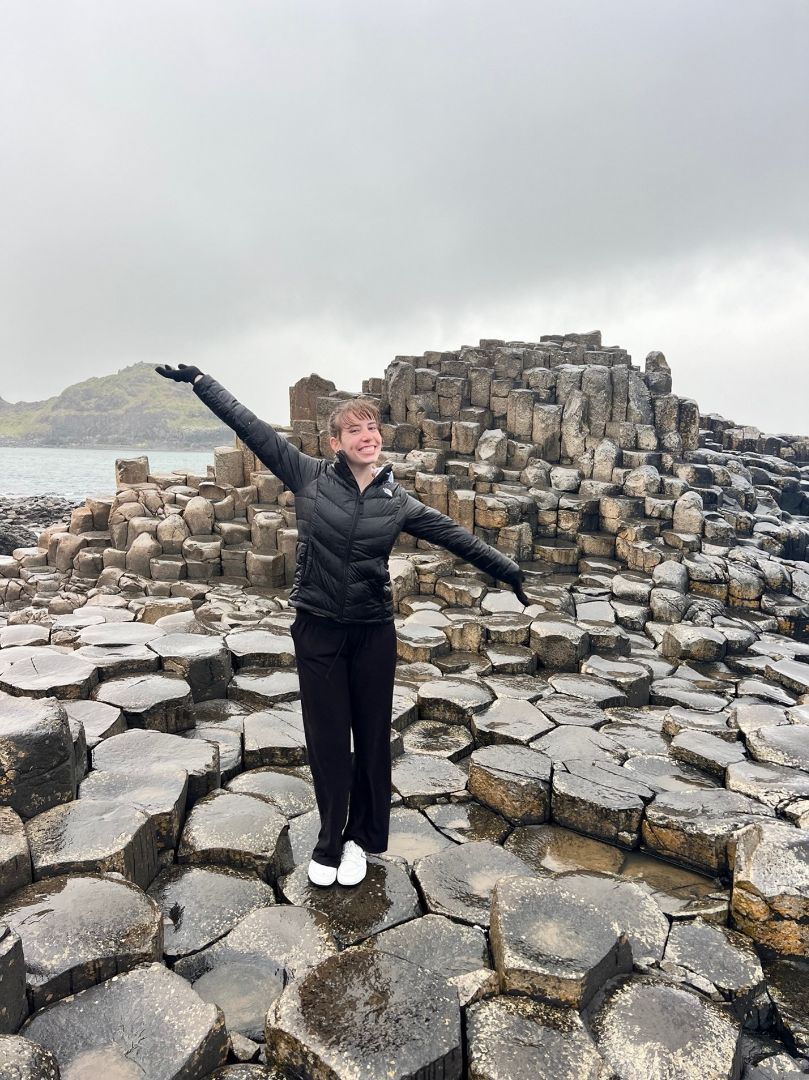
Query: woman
point(349, 514)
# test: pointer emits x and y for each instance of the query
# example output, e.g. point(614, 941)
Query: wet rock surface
point(21, 1059)
point(634, 739)
point(361, 1009)
point(78, 931)
point(147, 1022)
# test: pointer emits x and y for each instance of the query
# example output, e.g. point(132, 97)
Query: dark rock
point(385, 898)
point(274, 737)
point(412, 835)
point(458, 882)
point(93, 836)
point(453, 701)
point(79, 931)
point(450, 741)
point(15, 856)
point(160, 793)
point(290, 793)
point(651, 1031)
point(512, 780)
point(510, 720)
point(243, 832)
point(201, 904)
point(145, 750)
point(260, 649)
point(146, 1022)
point(549, 847)
point(601, 799)
point(395, 1016)
point(154, 702)
point(49, 674)
point(203, 661)
point(36, 751)
point(725, 959)
point(422, 779)
point(550, 945)
point(21, 1059)
point(788, 987)
point(264, 691)
point(13, 1002)
point(467, 821)
point(770, 900)
point(515, 1038)
point(99, 721)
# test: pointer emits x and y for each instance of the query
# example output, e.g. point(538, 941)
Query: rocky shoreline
point(22, 518)
point(598, 864)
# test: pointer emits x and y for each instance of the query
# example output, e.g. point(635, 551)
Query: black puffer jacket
point(344, 535)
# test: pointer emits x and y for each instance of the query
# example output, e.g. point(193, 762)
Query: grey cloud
point(198, 178)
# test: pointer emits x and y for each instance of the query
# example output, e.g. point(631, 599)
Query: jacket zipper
point(360, 498)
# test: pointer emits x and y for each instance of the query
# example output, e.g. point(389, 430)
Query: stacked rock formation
point(599, 858)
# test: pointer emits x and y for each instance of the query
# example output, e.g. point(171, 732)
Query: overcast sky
point(268, 189)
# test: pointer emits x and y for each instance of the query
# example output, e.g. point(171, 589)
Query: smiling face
point(359, 437)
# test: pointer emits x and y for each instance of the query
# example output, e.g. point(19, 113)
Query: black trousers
point(346, 673)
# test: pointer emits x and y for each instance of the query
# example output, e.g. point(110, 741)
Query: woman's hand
point(184, 373)
point(515, 580)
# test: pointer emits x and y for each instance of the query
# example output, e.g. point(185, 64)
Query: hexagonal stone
point(453, 701)
point(458, 882)
point(647, 1030)
point(601, 799)
point(113, 661)
point(663, 774)
point(770, 900)
point(155, 702)
point(522, 687)
point(13, 1002)
point(385, 898)
point(632, 678)
point(571, 711)
point(589, 688)
point(467, 821)
point(25, 1060)
point(725, 959)
point(705, 751)
point(558, 643)
point(398, 1017)
point(146, 1022)
point(422, 779)
point(450, 741)
point(99, 721)
point(698, 827)
point(201, 659)
point(79, 931)
point(201, 904)
point(93, 836)
point(15, 857)
point(793, 675)
point(515, 1038)
point(30, 634)
point(228, 738)
point(549, 847)
point(161, 794)
point(549, 944)
point(294, 938)
point(510, 720)
point(290, 793)
point(260, 649)
point(628, 906)
point(49, 674)
point(264, 691)
point(412, 836)
point(120, 633)
point(678, 719)
point(513, 780)
point(246, 970)
point(777, 786)
point(146, 750)
point(416, 642)
point(683, 641)
point(36, 750)
point(680, 692)
point(243, 832)
point(458, 953)
point(567, 743)
point(781, 744)
point(787, 981)
point(275, 737)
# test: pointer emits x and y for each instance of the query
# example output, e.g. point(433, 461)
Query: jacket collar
point(343, 470)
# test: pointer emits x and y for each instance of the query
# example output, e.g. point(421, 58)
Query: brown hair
point(361, 408)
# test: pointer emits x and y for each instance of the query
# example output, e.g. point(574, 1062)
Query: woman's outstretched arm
point(429, 524)
point(291, 466)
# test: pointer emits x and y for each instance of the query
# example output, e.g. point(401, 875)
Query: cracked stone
point(458, 882)
point(512, 780)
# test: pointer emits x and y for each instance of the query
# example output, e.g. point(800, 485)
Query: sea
point(73, 474)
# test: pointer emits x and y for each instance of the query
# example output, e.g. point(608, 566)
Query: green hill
point(132, 407)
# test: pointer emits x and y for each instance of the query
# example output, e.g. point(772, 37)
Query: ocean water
point(72, 473)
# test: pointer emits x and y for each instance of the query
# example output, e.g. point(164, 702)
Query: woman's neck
point(363, 474)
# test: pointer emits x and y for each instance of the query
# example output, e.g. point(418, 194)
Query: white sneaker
point(352, 864)
point(320, 874)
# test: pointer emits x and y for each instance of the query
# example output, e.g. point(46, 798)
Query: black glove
point(515, 580)
point(183, 373)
